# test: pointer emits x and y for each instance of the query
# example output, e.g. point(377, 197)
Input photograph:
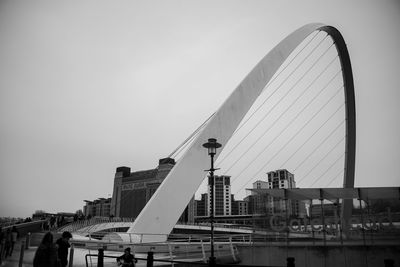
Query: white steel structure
point(161, 213)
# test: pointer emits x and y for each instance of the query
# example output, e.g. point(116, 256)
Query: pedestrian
point(2, 243)
point(7, 243)
point(127, 259)
point(46, 253)
point(52, 222)
point(14, 237)
point(63, 245)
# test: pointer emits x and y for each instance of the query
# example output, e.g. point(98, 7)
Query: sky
point(88, 86)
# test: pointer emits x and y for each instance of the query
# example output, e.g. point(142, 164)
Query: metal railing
point(150, 260)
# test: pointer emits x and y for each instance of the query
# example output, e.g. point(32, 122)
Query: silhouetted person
point(52, 222)
point(14, 237)
point(2, 243)
point(127, 259)
point(46, 253)
point(7, 243)
point(63, 245)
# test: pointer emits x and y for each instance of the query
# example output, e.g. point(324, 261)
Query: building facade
point(243, 207)
point(132, 190)
point(277, 180)
point(284, 179)
point(100, 207)
point(202, 205)
point(222, 195)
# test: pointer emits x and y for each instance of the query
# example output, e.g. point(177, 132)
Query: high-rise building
point(243, 207)
point(202, 205)
point(132, 190)
point(281, 179)
point(222, 195)
point(259, 203)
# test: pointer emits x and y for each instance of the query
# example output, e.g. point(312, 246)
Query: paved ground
point(13, 261)
point(78, 261)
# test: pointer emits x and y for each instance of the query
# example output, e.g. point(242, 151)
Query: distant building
point(330, 210)
point(202, 205)
point(99, 207)
point(281, 179)
point(268, 205)
point(243, 207)
point(234, 206)
point(132, 190)
point(222, 195)
point(261, 184)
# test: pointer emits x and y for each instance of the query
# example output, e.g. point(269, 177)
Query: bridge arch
point(166, 205)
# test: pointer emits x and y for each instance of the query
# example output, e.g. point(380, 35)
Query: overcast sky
point(87, 86)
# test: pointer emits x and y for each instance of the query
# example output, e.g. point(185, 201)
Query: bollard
point(71, 256)
point(21, 255)
point(150, 259)
point(388, 262)
point(28, 241)
point(290, 262)
point(100, 258)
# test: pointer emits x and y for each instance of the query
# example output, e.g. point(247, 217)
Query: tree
point(38, 212)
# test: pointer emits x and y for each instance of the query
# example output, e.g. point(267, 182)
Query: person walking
point(63, 245)
point(14, 237)
point(46, 253)
point(7, 243)
point(2, 243)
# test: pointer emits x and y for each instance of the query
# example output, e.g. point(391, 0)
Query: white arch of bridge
point(164, 208)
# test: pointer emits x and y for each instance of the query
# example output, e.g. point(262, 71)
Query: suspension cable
point(276, 76)
point(280, 150)
point(251, 177)
point(316, 180)
point(276, 104)
point(327, 154)
point(309, 138)
point(190, 136)
point(334, 178)
point(276, 120)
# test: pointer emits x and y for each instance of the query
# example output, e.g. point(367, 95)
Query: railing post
point(203, 250)
point(71, 256)
point(290, 262)
point(21, 255)
point(100, 258)
point(388, 262)
point(150, 259)
point(28, 240)
point(232, 249)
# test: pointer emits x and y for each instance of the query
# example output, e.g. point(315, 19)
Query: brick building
point(132, 190)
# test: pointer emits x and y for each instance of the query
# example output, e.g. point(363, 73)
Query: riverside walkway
point(14, 260)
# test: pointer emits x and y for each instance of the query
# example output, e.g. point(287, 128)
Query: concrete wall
point(315, 256)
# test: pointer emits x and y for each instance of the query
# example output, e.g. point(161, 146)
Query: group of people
point(50, 254)
point(55, 254)
point(7, 242)
point(53, 222)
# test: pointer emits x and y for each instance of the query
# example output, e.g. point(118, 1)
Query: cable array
point(256, 147)
point(295, 124)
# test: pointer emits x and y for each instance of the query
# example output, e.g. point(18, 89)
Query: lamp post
point(212, 146)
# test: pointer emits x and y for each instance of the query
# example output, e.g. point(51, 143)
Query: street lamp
point(212, 146)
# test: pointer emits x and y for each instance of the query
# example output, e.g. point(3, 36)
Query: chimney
point(123, 172)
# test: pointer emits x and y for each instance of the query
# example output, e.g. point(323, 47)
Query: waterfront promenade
point(14, 260)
